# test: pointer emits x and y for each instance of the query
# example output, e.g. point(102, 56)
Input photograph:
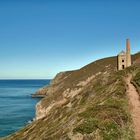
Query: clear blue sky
point(39, 38)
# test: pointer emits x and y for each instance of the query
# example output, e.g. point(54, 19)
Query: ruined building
point(124, 58)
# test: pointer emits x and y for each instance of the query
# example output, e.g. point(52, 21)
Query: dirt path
point(135, 106)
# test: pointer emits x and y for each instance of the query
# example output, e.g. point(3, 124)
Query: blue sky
point(39, 38)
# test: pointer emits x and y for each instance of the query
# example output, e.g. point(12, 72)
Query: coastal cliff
point(85, 104)
point(67, 84)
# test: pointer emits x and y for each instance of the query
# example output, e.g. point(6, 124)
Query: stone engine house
point(124, 58)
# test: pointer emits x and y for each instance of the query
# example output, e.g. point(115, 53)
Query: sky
point(39, 38)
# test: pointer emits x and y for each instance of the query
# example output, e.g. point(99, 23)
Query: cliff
point(85, 104)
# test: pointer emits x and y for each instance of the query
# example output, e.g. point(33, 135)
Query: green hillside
point(86, 104)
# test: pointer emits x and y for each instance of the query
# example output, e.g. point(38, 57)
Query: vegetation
point(97, 110)
point(108, 115)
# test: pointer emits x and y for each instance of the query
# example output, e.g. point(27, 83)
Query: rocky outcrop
point(55, 84)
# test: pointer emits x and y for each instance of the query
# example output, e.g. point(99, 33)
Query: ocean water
point(17, 106)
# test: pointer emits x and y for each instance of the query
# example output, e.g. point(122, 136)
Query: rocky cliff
point(85, 104)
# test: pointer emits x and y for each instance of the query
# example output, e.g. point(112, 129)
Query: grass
point(109, 115)
point(99, 111)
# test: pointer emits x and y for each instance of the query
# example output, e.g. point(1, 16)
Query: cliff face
point(68, 84)
point(89, 103)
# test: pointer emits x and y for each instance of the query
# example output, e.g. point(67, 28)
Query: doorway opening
point(123, 66)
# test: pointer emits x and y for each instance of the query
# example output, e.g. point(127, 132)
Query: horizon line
point(25, 79)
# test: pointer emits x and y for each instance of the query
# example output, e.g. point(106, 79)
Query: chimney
point(127, 45)
point(128, 53)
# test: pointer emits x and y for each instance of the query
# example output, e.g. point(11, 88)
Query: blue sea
point(17, 107)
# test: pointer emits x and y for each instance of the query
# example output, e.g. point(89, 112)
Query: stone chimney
point(128, 53)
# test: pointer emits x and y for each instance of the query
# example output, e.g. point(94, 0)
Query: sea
point(17, 107)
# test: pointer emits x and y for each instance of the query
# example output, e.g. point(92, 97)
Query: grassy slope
point(99, 111)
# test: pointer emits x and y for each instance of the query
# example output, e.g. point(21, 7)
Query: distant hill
point(85, 104)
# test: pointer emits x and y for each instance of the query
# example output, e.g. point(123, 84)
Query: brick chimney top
point(127, 45)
